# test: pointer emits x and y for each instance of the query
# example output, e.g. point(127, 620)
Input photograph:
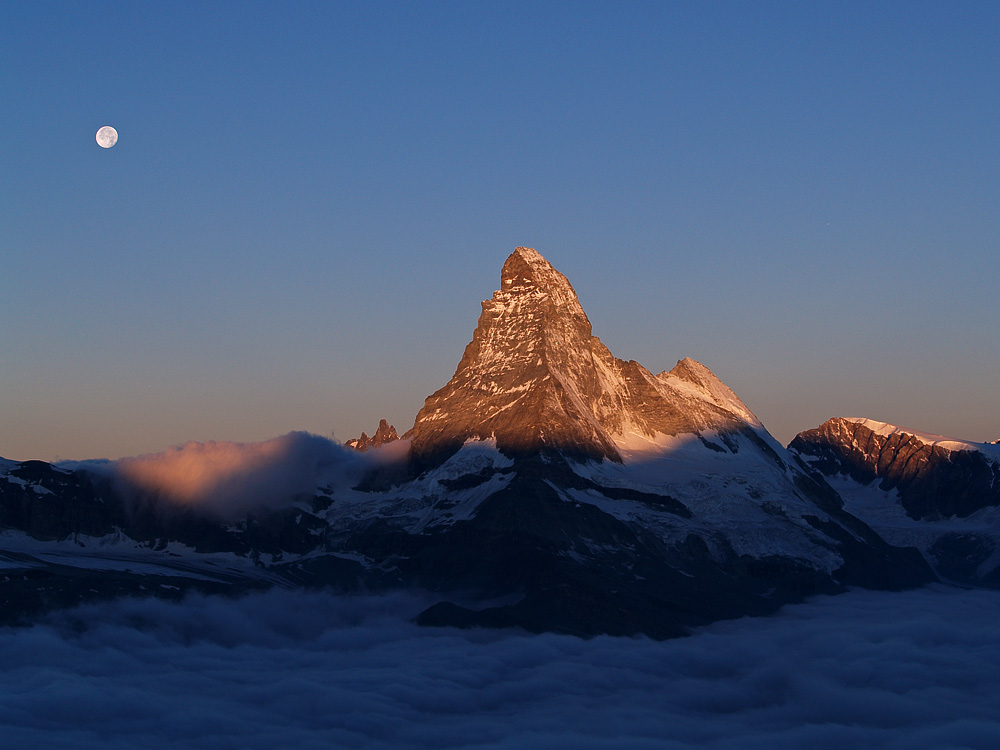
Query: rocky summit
point(548, 486)
point(534, 376)
point(384, 434)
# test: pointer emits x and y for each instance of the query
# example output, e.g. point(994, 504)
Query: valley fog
point(310, 670)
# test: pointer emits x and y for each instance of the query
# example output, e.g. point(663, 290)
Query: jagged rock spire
point(534, 376)
point(385, 433)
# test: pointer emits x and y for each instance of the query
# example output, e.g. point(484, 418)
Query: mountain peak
point(526, 256)
point(386, 433)
point(530, 280)
point(935, 476)
point(707, 383)
point(527, 266)
point(693, 371)
point(535, 377)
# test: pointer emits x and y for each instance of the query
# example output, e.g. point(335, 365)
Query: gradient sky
point(308, 201)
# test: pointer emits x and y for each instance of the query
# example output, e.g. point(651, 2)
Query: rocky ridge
point(385, 434)
point(936, 494)
point(935, 477)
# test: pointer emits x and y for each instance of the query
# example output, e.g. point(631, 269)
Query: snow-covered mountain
point(939, 494)
point(548, 486)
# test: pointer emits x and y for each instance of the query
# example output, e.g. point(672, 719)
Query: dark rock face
point(572, 568)
point(385, 433)
point(52, 504)
point(35, 589)
point(84, 516)
point(933, 482)
point(959, 556)
point(559, 565)
point(49, 503)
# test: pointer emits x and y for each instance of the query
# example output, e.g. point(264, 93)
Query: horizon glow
point(309, 202)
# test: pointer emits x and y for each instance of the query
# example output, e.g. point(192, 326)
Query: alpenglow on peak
point(535, 377)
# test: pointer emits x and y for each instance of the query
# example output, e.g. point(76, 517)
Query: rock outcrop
point(940, 495)
point(935, 477)
point(386, 433)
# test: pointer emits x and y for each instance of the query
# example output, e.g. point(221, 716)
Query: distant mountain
point(939, 494)
point(548, 485)
point(935, 477)
point(386, 433)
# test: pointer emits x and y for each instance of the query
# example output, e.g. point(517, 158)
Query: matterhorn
point(548, 486)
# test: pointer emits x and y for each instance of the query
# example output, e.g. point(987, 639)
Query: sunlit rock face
point(938, 494)
point(535, 377)
point(385, 434)
point(935, 477)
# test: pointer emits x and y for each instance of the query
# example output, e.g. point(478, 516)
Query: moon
point(107, 137)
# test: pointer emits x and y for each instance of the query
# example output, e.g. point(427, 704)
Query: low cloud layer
point(284, 669)
point(229, 477)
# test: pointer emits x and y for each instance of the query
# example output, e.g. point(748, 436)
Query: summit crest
point(535, 377)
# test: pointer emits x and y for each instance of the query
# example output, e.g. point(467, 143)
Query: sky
point(308, 201)
point(313, 670)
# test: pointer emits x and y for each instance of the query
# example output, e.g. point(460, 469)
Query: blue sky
point(308, 202)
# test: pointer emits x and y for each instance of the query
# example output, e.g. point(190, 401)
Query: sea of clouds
point(310, 670)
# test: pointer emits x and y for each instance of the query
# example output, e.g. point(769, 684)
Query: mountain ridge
point(937, 494)
point(582, 492)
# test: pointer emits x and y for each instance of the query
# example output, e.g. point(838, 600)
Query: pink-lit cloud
point(226, 477)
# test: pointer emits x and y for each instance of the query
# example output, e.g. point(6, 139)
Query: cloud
point(229, 478)
point(286, 669)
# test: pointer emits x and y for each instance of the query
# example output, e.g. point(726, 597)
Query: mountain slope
point(548, 485)
point(936, 477)
point(939, 494)
point(616, 470)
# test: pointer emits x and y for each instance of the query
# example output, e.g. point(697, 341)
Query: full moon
point(107, 137)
